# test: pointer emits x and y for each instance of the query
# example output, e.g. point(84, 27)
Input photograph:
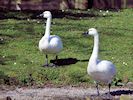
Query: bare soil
point(64, 93)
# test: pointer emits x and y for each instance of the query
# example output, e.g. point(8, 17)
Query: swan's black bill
point(41, 15)
point(85, 33)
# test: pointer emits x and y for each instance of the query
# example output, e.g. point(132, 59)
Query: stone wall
point(112, 4)
point(63, 4)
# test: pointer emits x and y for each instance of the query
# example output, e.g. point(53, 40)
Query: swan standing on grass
point(49, 44)
point(99, 70)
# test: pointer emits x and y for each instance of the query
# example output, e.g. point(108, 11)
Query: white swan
point(18, 5)
point(99, 70)
point(49, 44)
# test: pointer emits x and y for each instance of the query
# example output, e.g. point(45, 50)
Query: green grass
point(21, 59)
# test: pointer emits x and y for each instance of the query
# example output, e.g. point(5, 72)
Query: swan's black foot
point(45, 65)
point(52, 65)
point(49, 65)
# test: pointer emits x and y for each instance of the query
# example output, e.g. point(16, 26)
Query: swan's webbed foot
point(45, 65)
point(98, 94)
point(52, 65)
point(49, 65)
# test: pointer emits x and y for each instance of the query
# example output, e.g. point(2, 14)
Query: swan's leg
point(46, 62)
point(56, 58)
point(109, 95)
point(109, 87)
point(97, 89)
point(55, 63)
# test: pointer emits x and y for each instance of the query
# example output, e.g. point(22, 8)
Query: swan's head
point(47, 14)
point(91, 31)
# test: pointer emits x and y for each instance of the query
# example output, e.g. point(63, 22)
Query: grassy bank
point(21, 60)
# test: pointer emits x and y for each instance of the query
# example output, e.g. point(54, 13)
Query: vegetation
point(21, 60)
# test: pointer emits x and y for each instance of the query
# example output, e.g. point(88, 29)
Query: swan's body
point(49, 44)
point(99, 70)
point(53, 45)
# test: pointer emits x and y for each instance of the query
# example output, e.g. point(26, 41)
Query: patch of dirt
point(65, 93)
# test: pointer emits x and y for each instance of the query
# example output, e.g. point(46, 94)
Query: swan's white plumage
point(102, 71)
point(99, 70)
point(50, 44)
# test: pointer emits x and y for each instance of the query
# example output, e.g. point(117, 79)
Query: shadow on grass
point(5, 37)
point(4, 59)
point(67, 61)
point(32, 14)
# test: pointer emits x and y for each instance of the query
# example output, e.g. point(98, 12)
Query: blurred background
point(64, 4)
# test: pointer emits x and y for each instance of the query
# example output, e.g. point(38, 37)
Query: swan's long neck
point(48, 24)
point(96, 47)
